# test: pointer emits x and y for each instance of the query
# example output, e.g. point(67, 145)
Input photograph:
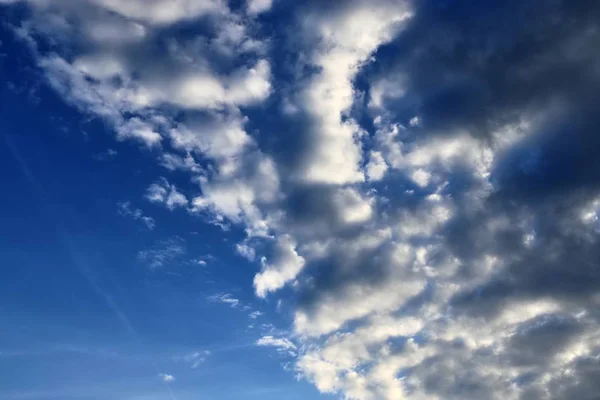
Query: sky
point(272, 199)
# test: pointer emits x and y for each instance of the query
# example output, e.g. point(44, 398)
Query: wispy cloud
point(225, 298)
point(255, 314)
point(163, 253)
point(105, 155)
point(283, 345)
point(126, 210)
point(194, 359)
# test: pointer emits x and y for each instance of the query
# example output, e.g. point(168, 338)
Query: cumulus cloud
point(422, 176)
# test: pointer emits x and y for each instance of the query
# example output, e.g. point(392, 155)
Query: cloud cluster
point(420, 176)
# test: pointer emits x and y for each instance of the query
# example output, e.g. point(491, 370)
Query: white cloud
point(377, 167)
point(126, 210)
point(225, 298)
point(162, 11)
point(415, 121)
point(218, 137)
point(167, 378)
point(284, 267)
point(280, 343)
point(135, 128)
point(421, 177)
point(163, 192)
point(238, 191)
point(357, 301)
point(246, 251)
point(259, 6)
point(347, 40)
point(352, 206)
point(164, 252)
point(204, 91)
point(175, 162)
point(194, 359)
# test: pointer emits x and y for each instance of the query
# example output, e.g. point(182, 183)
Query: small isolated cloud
point(162, 192)
point(163, 253)
point(415, 121)
point(167, 378)
point(198, 261)
point(225, 298)
point(126, 210)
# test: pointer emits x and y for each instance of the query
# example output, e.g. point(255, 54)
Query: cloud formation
point(163, 253)
point(420, 178)
point(126, 210)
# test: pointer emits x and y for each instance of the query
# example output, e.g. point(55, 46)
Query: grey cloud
point(472, 65)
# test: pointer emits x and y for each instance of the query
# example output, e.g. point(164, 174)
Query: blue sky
point(268, 199)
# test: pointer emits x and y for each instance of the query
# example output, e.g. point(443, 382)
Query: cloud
point(377, 167)
point(161, 11)
point(279, 343)
point(225, 298)
point(255, 314)
point(258, 6)
point(344, 40)
point(246, 251)
point(106, 155)
point(286, 265)
point(423, 176)
point(174, 162)
point(194, 359)
point(199, 262)
point(126, 210)
point(163, 253)
point(167, 378)
point(162, 192)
